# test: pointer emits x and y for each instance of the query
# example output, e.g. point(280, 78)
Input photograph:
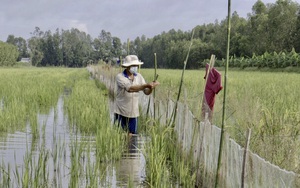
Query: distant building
point(25, 60)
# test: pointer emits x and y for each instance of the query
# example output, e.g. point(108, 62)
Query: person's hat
point(131, 60)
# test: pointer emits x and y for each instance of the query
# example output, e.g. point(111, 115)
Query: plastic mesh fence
point(202, 140)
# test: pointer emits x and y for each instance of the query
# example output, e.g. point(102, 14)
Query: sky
point(126, 19)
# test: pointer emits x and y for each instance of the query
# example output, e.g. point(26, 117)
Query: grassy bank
point(267, 102)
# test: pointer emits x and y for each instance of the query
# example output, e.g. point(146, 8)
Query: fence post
point(245, 157)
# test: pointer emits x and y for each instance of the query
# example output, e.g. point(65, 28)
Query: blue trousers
point(128, 124)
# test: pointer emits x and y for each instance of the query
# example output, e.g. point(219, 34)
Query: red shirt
point(213, 86)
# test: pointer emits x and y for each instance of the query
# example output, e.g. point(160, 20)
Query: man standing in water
point(129, 83)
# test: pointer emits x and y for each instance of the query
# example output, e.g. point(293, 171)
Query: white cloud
point(78, 25)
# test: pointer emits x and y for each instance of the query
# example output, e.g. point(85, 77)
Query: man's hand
point(148, 90)
point(154, 84)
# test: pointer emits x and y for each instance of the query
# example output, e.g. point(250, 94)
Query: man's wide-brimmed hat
point(131, 60)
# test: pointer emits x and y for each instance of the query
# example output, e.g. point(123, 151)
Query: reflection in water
point(55, 142)
point(21, 147)
point(131, 168)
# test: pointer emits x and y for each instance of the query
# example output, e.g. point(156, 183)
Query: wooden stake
point(210, 66)
point(245, 157)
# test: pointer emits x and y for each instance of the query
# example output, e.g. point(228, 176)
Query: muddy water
point(56, 138)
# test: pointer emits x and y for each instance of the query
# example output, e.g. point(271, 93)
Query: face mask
point(133, 70)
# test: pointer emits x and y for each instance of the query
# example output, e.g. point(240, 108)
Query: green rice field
point(268, 103)
point(57, 131)
point(65, 119)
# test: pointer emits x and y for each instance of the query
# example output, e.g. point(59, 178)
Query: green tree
point(76, 48)
point(239, 36)
point(35, 46)
point(104, 46)
point(146, 54)
point(48, 49)
point(21, 45)
point(296, 38)
point(8, 54)
point(199, 52)
point(116, 47)
point(282, 25)
point(57, 45)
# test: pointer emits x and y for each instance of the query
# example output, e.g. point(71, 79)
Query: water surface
point(55, 141)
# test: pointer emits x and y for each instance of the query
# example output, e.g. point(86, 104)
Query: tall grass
point(266, 102)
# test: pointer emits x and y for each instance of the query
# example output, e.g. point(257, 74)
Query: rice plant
point(166, 166)
point(36, 91)
point(266, 102)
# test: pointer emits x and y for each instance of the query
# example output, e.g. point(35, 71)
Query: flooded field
point(55, 148)
point(57, 130)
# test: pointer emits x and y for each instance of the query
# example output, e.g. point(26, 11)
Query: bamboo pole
point(174, 113)
point(155, 77)
point(224, 96)
point(148, 107)
point(245, 157)
point(210, 66)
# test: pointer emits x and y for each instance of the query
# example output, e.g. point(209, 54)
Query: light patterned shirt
point(126, 103)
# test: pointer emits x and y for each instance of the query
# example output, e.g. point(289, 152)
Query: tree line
point(272, 28)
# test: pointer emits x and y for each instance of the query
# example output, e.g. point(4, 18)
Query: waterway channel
point(55, 143)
